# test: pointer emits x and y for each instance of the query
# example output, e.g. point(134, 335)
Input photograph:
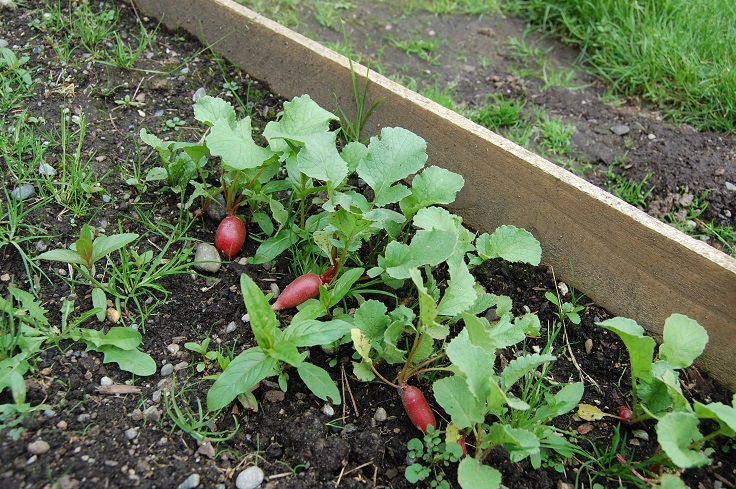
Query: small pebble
point(275, 290)
point(208, 254)
point(167, 370)
point(588, 346)
point(620, 130)
point(328, 410)
point(190, 482)
point(231, 326)
point(250, 478)
point(113, 315)
point(152, 414)
point(173, 348)
point(23, 192)
point(46, 169)
point(641, 434)
point(38, 447)
point(730, 186)
point(651, 137)
point(563, 288)
point(380, 415)
point(106, 381)
point(131, 433)
point(5, 277)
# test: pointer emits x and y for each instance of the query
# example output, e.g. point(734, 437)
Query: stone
point(620, 130)
point(250, 478)
point(209, 257)
point(38, 447)
point(167, 370)
point(380, 415)
point(190, 482)
point(23, 192)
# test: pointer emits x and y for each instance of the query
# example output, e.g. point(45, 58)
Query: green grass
point(678, 54)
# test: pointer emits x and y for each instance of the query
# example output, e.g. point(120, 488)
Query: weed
point(630, 190)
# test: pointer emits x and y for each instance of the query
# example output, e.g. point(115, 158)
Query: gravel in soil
point(102, 430)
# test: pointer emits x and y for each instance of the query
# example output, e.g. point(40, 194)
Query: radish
point(417, 408)
point(461, 442)
point(230, 236)
point(624, 413)
point(302, 288)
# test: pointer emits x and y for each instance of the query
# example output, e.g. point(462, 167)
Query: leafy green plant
point(565, 310)
point(15, 81)
point(84, 253)
point(657, 394)
point(208, 357)
point(277, 352)
point(196, 423)
point(430, 456)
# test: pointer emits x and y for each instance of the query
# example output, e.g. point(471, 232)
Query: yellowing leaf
point(362, 344)
point(590, 413)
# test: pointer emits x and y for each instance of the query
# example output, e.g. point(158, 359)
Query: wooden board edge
point(644, 290)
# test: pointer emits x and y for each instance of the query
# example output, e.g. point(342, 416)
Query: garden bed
point(96, 432)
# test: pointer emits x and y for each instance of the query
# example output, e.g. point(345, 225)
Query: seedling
point(657, 394)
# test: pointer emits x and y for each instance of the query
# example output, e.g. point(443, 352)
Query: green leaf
point(640, 347)
point(460, 293)
point(313, 332)
point(428, 310)
point(210, 110)
point(434, 185)
point(262, 318)
point(676, 431)
point(343, 284)
point(725, 415)
point(274, 246)
point(287, 352)
point(320, 160)
point(453, 394)
point(372, 320)
point(510, 243)
point(12, 371)
point(134, 361)
point(244, 372)
point(520, 443)
point(36, 315)
point(472, 475)
point(474, 362)
point(426, 248)
point(683, 341)
point(352, 153)
point(64, 256)
point(302, 117)
point(236, 146)
point(521, 366)
point(393, 156)
point(99, 302)
point(319, 382)
point(104, 245)
point(118, 336)
point(84, 244)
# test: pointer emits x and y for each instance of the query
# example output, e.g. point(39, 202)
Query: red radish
point(302, 288)
point(230, 236)
point(624, 413)
point(417, 408)
point(461, 442)
point(328, 274)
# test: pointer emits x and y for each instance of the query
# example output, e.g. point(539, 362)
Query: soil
point(99, 438)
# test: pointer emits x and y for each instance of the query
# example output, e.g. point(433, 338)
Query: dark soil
point(98, 439)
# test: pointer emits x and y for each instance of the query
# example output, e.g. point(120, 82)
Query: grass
point(674, 53)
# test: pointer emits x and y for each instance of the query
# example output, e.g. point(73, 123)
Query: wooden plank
point(627, 261)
